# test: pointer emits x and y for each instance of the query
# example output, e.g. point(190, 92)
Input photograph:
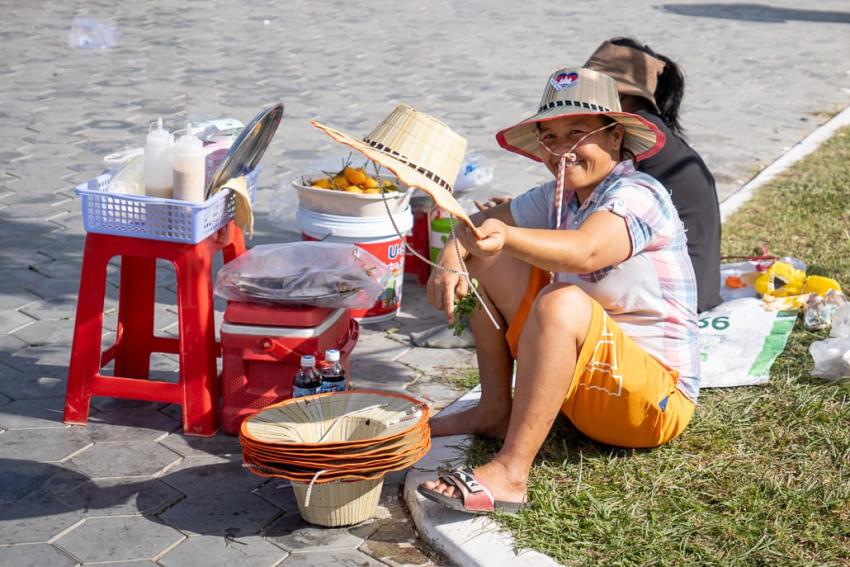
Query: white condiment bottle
point(158, 169)
point(189, 168)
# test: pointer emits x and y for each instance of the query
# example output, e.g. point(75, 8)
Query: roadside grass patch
point(461, 378)
point(762, 474)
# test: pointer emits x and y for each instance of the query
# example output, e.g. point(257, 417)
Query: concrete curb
point(798, 151)
point(468, 541)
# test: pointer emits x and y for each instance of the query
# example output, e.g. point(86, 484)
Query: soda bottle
point(333, 374)
point(307, 380)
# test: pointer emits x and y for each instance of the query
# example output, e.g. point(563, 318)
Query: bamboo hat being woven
point(581, 92)
point(422, 151)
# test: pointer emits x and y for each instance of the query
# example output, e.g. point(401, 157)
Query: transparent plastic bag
point(832, 358)
point(86, 33)
point(475, 171)
point(321, 274)
point(129, 177)
point(841, 322)
point(819, 311)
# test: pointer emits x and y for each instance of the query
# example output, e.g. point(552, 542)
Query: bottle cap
point(158, 135)
point(188, 141)
point(332, 355)
point(308, 360)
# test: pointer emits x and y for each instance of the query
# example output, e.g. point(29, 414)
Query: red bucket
point(376, 235)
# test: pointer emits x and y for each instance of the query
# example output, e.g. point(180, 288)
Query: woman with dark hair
point(653, 86)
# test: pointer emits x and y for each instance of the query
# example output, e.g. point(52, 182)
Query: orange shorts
point(619, 395)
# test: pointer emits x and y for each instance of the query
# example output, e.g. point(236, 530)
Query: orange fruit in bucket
point(354, 176)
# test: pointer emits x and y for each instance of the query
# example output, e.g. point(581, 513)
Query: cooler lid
point(265, 315)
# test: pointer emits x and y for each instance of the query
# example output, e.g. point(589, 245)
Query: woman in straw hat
point(610, 340)
point(652, 86)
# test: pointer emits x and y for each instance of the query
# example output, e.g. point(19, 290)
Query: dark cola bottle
point(307, 379)
point(333, 374)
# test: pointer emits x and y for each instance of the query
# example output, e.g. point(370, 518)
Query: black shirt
point(681, 170)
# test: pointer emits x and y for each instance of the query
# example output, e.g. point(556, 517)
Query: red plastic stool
point(419, 242)
point(197, 389)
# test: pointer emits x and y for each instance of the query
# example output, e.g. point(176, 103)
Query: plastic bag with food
point(321, 274)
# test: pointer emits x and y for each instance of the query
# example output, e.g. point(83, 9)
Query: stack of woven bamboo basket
point(335, 449)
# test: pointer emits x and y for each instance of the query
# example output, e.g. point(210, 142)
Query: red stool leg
point(88, 330)
point(136, 316)
point(232, 242)
point(198, 374)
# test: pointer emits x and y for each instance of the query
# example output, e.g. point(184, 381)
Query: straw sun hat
point(581, 92)
point(422, 151)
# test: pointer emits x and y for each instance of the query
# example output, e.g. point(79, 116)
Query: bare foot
point(477, 420)
point(496, 477)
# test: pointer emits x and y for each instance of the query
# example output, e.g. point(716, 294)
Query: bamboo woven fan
point(422, 151)
point(356, 434)
point(363, 417)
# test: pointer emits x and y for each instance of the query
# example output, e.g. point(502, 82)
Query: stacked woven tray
point(335, 448)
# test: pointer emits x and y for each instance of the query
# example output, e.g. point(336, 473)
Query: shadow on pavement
point(757, 13)
point(207, 499)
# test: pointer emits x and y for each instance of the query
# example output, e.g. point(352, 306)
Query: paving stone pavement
point(130, 488)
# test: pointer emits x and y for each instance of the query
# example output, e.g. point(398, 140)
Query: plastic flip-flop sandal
point(475, 497)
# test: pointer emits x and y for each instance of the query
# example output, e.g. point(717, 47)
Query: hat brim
point(405, 173)
point(642, 137)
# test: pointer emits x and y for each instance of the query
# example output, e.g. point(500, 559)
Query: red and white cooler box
point(262, 347)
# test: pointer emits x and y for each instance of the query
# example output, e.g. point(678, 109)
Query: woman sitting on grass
point(612, 340)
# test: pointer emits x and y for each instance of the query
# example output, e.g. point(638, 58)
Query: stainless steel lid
point(248, 148)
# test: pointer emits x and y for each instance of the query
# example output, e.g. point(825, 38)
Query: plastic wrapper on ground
point(832, 358)
point(320, 274)
point(841, 322)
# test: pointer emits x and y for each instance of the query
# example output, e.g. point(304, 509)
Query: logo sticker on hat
point(563, 81)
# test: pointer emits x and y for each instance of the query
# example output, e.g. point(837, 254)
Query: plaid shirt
point(652, 295)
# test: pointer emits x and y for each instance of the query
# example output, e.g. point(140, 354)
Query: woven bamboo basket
point(338, 503)
point(336, 448)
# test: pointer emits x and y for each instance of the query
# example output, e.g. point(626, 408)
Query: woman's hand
point(492, 203)
point(494, 234)
point(444, 286)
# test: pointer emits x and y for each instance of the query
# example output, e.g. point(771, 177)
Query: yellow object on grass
point(820, 285)
point(780, 280)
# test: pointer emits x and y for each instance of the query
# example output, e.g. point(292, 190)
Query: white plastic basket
point(157, 219)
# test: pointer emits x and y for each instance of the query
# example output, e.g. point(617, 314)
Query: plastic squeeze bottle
point(158, 176)
point(189, 168)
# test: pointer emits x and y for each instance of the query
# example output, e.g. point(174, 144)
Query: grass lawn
point(762, 474)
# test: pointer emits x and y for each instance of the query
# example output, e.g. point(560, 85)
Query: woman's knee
point(563, 307)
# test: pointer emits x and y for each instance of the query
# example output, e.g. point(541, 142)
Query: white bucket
point(373, 234)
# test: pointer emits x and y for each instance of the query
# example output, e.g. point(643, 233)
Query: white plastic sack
point(832, 358)
point(322, 274)
point(738, 342)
